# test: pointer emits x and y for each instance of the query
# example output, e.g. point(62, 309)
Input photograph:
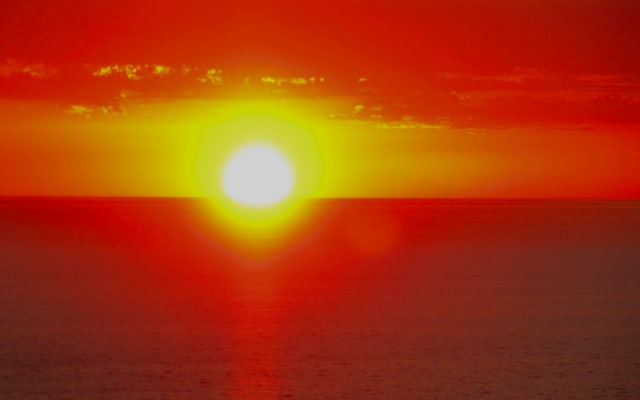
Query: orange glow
point(342, 199)
point(397, 100)
point(371, 234)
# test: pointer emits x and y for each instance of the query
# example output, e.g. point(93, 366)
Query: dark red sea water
point(367, 299)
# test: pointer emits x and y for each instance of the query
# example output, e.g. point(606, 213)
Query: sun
point(257, 175)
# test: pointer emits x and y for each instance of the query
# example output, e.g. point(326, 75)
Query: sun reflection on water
point(257, 367)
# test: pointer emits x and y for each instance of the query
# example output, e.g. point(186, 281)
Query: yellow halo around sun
point(256, 169)
point(257, 175)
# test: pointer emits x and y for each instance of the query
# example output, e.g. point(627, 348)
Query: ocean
point(140, 298)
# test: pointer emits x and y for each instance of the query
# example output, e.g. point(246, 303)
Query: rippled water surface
point(366, 299)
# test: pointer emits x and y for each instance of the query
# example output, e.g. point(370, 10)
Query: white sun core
point(258, 176)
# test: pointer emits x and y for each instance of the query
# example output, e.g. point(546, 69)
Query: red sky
point(332, 36)
point(431, 98)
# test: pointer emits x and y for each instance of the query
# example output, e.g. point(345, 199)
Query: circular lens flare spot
point(258, 176)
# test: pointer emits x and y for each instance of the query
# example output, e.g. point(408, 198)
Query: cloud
point(12, 67)
point(408, 122)
point(133, 72)
point(89, 111)
point(80, 110)
point(212, 76)
point(523, 96)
